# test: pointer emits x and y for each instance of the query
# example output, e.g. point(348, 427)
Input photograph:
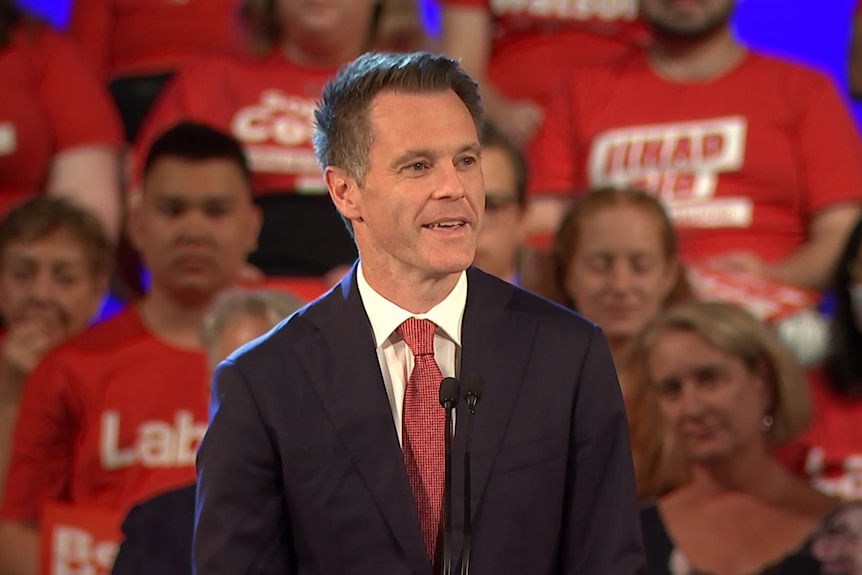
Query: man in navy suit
point(324, 453)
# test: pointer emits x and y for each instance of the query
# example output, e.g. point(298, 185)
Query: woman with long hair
point(831, 448)
point(615, 262)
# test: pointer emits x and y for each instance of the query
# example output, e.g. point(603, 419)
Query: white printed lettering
point(157, 443)
point(278, 118)
point(607, 10)
point(680, 162)
point(74, 552)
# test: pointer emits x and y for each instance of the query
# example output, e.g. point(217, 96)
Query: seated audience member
point(726, 392)
point(59, 133)
point(85, 426)
point(505, 172)
point(54, 265)
point(832, 445)
point(267, 100)
point(158, 532)
point(518, 51)
point(136, 46)
point(757, 158)
point(615, 263)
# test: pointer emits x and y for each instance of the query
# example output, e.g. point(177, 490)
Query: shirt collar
point(385, 316)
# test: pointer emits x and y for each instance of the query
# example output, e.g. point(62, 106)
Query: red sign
point(78, 540)
point(767, 299)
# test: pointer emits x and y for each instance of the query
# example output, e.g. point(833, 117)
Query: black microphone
point(449, 392)
point(473, 385)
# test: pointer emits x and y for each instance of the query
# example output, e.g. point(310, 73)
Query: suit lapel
point(496, 345)
point(343, 366)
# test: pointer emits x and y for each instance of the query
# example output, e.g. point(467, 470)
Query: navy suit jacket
point(158, 535)
point(301, 470)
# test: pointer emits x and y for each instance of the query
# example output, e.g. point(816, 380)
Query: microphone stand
point(449, 392)
point(473, 386)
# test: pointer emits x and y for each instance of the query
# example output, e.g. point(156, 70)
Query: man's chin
point(195, 293)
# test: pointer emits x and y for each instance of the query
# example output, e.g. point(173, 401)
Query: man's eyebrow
point(180, 199)
point(408, 155)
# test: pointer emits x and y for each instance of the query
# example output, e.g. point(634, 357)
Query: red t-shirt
point(108, 418)
point(132, 37)
point(535, 42)
point(266, 103)
point(833, 441)
point(742, 161)
point(50, 102)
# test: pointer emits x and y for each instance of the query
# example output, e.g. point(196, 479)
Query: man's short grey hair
point(267, 304)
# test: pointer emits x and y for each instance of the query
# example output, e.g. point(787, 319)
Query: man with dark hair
point(756, 158)
point(54, 265)
point(325, 447)
point(114, 414)
point(505, 174)
point(194, 141)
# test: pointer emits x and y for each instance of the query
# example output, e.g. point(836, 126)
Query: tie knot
point(419, 335)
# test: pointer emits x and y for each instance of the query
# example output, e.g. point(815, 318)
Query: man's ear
point(345, 193)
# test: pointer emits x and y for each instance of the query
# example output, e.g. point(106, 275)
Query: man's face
point(687, 18)
point(503, 229)
point(195, 226)
point(418, 215)
point(50, 281)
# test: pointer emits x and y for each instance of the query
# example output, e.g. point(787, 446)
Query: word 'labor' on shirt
point(156, 443)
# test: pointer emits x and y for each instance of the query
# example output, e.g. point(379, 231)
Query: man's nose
point(449, 183)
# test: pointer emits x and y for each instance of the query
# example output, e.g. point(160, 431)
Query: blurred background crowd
point(697, 198)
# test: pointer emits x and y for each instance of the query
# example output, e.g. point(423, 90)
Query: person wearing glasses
point(505, 171)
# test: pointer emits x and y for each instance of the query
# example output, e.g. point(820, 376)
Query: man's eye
point(417, 166)
point(171, 208)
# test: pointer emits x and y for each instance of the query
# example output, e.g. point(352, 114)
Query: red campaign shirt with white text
point(132, 37)
point(535, 42)
point(109, 418)
point(50, 102)
point(833, 441)
point(742, 162)
point(266, 103)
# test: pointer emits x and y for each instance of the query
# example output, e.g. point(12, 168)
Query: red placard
point(768, 299)
point(78, 540)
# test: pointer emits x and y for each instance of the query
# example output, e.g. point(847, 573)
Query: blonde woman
point(726, 393)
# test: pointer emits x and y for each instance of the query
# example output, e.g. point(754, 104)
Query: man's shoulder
point(306, 322)
point(521, 301)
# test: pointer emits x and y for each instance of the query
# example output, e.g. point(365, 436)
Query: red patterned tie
point(422, 430)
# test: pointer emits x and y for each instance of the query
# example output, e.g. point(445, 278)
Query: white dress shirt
point(396, 360)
